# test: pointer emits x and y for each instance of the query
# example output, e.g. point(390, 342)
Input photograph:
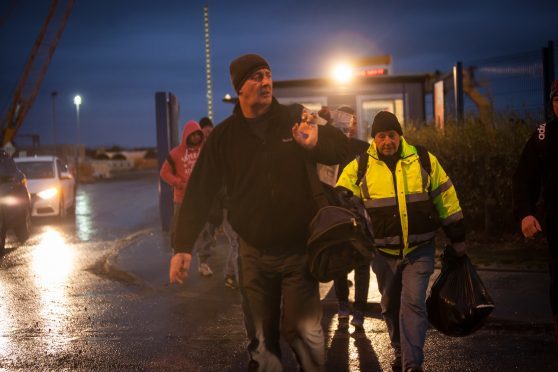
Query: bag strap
point(424, 158)
point(362, 160)
point(316, 188)
point(171, 162)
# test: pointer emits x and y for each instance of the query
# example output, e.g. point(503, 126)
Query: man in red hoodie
point(176, 171)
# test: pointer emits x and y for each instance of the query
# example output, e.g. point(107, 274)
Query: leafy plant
point(480, 161)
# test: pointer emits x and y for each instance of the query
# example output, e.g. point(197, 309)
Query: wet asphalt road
point(61, 310)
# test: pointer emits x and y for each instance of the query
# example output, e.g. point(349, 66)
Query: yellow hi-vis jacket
point(408, 205)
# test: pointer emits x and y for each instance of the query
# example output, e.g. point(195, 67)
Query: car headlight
point(48, 193)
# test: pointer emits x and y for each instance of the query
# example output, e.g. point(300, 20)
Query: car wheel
point(23, 229)
point(61, 207)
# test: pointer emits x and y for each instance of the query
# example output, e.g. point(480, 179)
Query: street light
point(229, 99)
point(343, 73)
point(77, 102)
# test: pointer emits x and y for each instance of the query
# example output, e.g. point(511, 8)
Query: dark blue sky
point(118, 53)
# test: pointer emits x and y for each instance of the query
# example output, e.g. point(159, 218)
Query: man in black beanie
point(260, 154)
point(206, 126)
point(407, 194)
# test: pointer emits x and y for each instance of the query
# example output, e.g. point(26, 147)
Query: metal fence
point(515, 85)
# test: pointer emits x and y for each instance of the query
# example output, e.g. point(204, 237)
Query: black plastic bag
point(458, 303)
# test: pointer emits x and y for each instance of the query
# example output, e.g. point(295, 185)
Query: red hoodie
point(184, 158)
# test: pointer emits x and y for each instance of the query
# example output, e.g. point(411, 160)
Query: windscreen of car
point(36, 169)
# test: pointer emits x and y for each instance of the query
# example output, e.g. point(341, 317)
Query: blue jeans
point(362, 282)
point(403, 284)
point(279, 292)
point(205, 242)
point(231, 267)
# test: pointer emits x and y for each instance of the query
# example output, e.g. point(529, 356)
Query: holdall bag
point(458, 303)
point(341, 237)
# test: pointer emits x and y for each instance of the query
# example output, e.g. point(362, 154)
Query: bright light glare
point(48, 193)
point(52, 259)
point(9, 200)
point(77, 100)
point(6, 321)
point(228, 96)
point(343, 73)
point(52, 262)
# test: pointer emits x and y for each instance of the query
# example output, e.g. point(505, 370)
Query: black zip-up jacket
point(270, 201)
point(538, 168)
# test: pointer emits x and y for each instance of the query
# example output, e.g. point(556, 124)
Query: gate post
point(458, 92)
point(167, 111)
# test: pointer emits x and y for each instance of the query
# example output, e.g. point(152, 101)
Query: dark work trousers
point(552, 237)
point(362, 282)
point(280, 295)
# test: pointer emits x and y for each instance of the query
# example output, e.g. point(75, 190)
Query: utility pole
point(53, 94)
point(208, 62)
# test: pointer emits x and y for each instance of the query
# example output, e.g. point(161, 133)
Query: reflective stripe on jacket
point(406, 206)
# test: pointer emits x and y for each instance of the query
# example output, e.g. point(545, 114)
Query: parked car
point(15, 201)
point(51, 185)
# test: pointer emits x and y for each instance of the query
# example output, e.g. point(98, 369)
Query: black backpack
point(340, 233)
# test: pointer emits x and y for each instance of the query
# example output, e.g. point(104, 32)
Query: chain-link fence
point(514, 86)
point(511, 84)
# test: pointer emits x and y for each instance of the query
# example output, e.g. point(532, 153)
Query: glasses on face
point(259, 76)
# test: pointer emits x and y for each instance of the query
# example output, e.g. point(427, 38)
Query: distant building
point(402, 95)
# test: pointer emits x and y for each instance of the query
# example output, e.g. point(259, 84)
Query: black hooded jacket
point(270, 202)
point(538, 169)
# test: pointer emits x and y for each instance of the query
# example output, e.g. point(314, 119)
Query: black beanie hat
point(206, 122)
point(244, 66)
point(385, 120)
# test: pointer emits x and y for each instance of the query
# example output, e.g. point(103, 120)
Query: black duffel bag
point(458, 303)
point(340, 236)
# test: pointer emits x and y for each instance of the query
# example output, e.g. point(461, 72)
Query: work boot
point(358, 320)
point(344, 311)
point(205, 270)
point(396, 365)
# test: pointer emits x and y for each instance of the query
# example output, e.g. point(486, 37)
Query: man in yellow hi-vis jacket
point(407, 204)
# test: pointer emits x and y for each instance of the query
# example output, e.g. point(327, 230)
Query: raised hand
point(305, 133)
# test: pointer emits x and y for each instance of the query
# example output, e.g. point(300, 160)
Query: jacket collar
point(237, 111)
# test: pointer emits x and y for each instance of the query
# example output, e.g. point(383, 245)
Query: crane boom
point(36, 67)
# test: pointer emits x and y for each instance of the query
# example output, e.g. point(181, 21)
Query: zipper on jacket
point(397, 205)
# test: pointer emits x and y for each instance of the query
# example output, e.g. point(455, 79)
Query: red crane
point(36, 67)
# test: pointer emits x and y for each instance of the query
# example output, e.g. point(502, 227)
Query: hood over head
point(190, 127)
